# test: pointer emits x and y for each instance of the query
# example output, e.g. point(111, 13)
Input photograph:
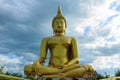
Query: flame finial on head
point(59, 15)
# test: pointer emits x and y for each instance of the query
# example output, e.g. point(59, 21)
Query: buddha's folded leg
point(41, 69)
point(48, 70)
point(78, 72)
point(87, 67)
point(70, 67)
point(89, 70)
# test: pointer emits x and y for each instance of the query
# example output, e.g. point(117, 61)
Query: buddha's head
point(59, 22)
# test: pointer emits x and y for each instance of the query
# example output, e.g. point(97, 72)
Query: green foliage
point(17, 74)
point(117, 73)
point(7, 73)
point(99, 76)
point(13, 74)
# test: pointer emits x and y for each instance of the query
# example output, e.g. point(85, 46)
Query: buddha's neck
point(59, 34)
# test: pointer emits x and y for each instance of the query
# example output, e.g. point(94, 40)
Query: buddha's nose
point(59, 25)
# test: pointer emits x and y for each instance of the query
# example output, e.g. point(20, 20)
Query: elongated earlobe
point(65, 31)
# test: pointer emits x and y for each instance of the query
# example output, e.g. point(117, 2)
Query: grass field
point(111, 78)
point(6, 77)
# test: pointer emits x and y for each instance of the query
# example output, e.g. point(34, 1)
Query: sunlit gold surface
point(64, 58)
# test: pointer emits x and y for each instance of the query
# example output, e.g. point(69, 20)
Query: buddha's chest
point(59, 42)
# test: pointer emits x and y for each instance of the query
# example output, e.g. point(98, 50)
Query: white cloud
point(16, 64)
point(97, 14)
point(11, 64)
point(106, 62)
point(8, 60)
point(29, 55)
point(101, 34)
point(99, 42)
point(115, 28)
point(106, 36)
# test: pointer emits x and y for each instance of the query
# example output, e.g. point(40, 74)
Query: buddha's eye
point(57, 23)
point(61, 22)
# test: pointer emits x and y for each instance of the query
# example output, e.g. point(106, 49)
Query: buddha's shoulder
point(45, 38)
point(55, 38)
point(64, 37)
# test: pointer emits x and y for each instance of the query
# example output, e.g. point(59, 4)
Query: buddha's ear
point(65, 31)
point(53, 28)
point(53, 31)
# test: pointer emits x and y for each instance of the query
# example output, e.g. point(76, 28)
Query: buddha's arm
point(43, 50)
point(74, 52)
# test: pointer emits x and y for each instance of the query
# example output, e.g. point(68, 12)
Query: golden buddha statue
point(64, 57)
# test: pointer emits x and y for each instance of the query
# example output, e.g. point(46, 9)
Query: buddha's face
point(59, 26)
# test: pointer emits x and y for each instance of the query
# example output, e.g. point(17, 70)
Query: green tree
point(7, 73)
point(16, 74)
point(13, 74)
point(97, 76)
point(117, 73)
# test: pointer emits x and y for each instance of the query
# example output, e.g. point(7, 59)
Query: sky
point(94, 23)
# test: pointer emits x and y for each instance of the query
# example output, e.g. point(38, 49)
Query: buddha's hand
point(65, 66)
point(36, 65)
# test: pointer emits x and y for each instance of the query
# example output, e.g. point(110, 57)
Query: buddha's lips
point(59, 30)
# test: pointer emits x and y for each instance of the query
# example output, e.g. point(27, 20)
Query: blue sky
point(94, 23)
